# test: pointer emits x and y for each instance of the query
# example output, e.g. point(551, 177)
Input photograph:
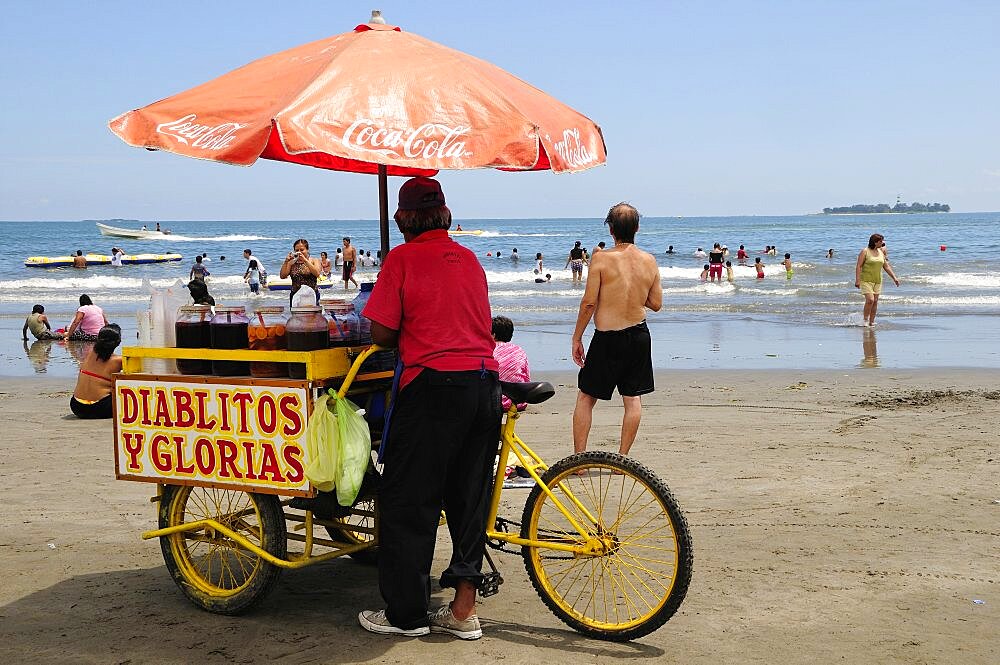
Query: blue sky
point(708, 108)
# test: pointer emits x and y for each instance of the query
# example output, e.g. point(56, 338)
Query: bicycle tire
point(623, 574)
point(213, 571)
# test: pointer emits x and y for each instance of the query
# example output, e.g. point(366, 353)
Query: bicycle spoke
point(644, 569)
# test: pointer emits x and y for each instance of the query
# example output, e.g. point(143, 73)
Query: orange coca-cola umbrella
point(373, 100)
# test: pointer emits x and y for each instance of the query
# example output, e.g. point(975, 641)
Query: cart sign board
point(221, 433)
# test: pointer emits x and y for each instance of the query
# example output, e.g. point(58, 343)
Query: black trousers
point(442, 443)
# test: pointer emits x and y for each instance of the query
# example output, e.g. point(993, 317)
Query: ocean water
point(944, 312)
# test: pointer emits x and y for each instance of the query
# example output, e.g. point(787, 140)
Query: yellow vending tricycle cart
point(603, 541)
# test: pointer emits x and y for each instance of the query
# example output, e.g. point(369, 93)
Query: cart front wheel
point(214, 571)
point(361, 517)
point(638, 564)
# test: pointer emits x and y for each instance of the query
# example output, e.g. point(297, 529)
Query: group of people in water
point(300, 266)
point(872, 261)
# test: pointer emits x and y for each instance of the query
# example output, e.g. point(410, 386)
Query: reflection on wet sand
point(868, 345)
point(38, 354)
point(79, 350)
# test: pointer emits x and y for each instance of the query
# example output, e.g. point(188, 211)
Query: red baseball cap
point(420, 193)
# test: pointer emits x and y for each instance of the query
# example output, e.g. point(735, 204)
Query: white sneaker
point(443, 621)
point(377, 622)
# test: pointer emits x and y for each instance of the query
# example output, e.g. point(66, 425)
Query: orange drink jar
point(266, 331)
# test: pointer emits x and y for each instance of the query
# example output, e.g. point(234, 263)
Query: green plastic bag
point(354, 449)
point(322, 442)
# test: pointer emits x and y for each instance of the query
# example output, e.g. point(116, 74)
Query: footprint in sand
point(850, 424)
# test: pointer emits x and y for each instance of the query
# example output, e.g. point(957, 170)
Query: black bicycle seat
point(533, 392)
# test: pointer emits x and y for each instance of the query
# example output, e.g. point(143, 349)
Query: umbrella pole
point(383, 207)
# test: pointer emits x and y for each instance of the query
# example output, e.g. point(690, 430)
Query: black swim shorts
point(618, 359)
point(348, 270)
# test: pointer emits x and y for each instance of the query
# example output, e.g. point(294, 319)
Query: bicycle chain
point(500, 546)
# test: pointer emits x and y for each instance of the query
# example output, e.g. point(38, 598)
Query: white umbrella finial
point(377, 17)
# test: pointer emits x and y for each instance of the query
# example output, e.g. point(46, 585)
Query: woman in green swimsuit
point(872, 260)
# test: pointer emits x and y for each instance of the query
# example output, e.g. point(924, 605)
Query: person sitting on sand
point(38, 324)
point(87, 322)
point(92, 396)
point(512, 359)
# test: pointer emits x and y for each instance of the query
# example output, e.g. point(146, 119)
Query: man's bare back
point(623, 282)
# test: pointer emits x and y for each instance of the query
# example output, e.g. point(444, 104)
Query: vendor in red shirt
point(431, 301)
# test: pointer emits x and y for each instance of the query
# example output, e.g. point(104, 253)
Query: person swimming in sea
point(788, 266)
point(759, 265)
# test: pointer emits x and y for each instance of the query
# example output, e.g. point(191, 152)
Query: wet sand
point(837, 516)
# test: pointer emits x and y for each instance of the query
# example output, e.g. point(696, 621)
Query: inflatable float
point(98, 260)
point(279, 284)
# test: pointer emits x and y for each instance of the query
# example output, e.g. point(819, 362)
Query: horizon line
point(512, 219)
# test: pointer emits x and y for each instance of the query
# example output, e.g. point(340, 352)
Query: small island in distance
point(885, 208)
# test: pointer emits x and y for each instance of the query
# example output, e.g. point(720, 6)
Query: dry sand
point(837, 517)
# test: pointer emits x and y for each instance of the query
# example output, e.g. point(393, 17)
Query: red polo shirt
point(433, 291)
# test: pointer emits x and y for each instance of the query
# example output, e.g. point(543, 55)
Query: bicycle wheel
point(641, 568)
point(212, 570)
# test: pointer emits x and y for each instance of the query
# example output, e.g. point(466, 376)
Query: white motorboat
point(134, 234)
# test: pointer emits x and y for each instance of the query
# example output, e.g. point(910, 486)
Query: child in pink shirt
point(512, 359)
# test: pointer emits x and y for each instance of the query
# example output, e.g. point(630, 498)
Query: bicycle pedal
point(490, 586)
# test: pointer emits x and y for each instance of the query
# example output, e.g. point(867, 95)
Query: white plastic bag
point(304, 297)
point(156, 329)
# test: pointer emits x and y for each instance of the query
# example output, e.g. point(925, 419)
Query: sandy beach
point(837, 516)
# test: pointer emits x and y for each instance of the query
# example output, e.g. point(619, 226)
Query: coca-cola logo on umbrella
point(207, 137)
point(572, 151)
point(428, 141)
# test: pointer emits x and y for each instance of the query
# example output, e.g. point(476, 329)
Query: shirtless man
point(350, 261)
point(79, 261)
point(623, 281)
